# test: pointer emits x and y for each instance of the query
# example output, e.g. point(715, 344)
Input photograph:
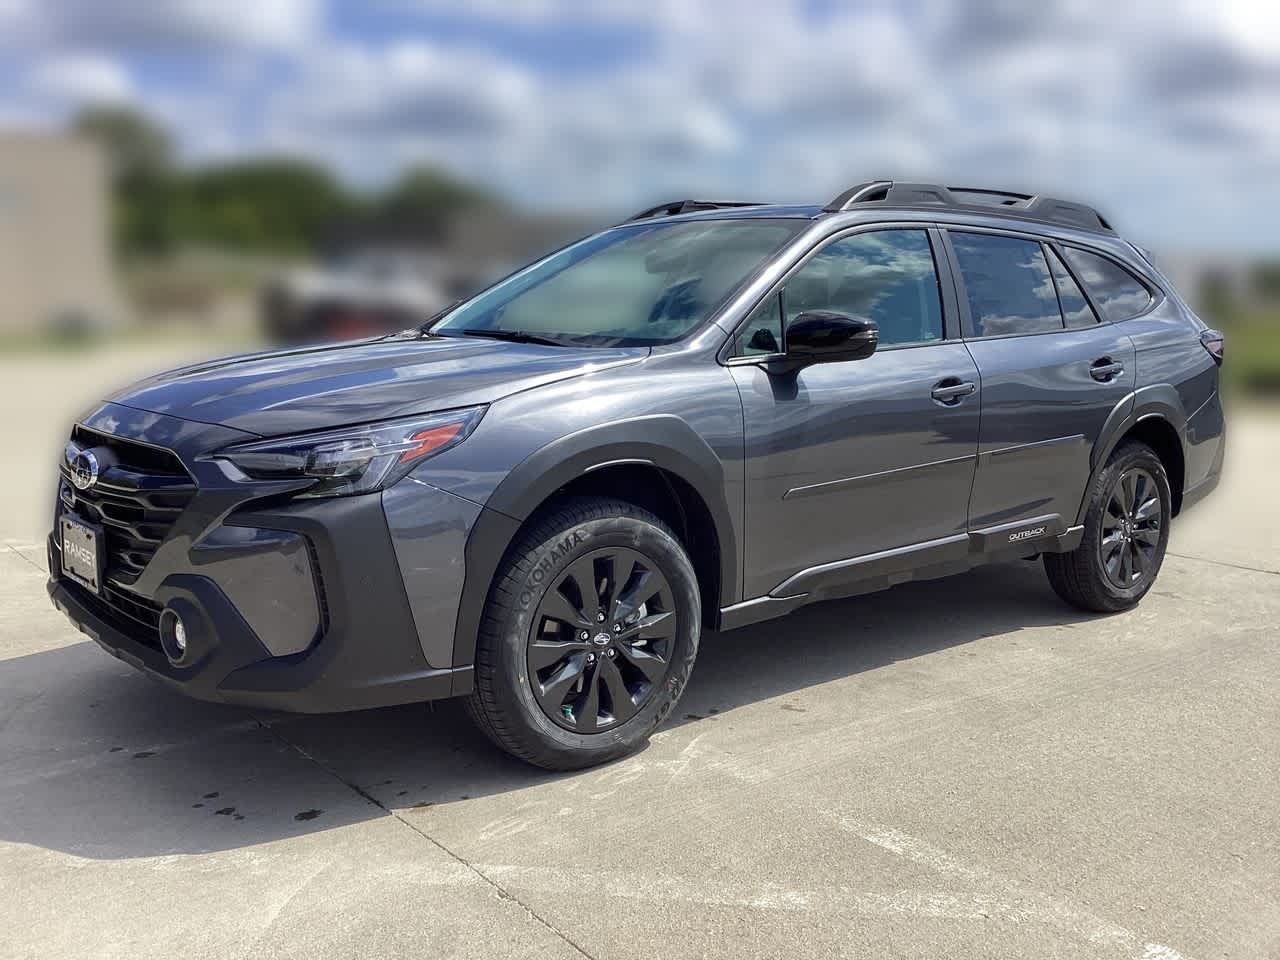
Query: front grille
point(139, 494)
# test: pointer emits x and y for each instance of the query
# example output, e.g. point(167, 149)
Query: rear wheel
point(1126, 531)
point(589, 635)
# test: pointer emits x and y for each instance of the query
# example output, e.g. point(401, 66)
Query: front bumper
point(291, 605)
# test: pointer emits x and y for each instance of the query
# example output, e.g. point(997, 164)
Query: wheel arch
point(658, 462)
point(1157, 419)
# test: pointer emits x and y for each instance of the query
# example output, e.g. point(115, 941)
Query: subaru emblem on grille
point(84, 470)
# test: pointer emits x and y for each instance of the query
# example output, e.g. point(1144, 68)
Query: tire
point(1136, 535)
point(540, 630)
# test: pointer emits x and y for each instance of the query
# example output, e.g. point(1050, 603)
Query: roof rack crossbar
point(674, 208)
point(1025, 205)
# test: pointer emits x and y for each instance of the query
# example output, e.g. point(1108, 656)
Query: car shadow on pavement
point(98, 761)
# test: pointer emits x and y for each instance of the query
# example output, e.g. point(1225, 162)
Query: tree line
point(276, 205)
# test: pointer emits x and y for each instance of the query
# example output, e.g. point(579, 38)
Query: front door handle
point(1105, 369)
point(952, 390)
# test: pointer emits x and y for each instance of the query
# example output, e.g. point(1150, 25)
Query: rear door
point(849, 459)
point(1052, 374)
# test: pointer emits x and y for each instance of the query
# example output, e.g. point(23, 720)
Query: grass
point(1252, 362)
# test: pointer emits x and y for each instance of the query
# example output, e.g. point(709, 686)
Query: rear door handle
point(952, 390)
point(1105, 369)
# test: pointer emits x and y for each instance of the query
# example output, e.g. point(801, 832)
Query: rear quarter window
point(1118, 293)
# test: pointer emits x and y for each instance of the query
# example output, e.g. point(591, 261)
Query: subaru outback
point(704, 417)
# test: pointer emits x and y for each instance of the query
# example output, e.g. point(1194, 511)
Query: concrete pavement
point(964, 768)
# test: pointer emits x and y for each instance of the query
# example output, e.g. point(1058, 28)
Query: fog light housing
point(173, 636)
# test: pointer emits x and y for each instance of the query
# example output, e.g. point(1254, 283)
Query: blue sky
point(1167, 115)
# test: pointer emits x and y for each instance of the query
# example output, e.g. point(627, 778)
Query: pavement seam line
point(355, 788)
point(22, 556)
point(1225, 563)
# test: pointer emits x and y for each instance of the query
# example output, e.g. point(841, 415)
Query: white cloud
point(168, 26)
point(81, 78)
point(1155, 110)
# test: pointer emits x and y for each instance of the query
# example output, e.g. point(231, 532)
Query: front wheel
point(1126, 531)
point(589, 635)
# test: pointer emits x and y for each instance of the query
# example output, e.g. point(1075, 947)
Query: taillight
point(1214, 342)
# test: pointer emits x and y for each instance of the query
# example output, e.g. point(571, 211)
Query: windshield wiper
point(514, 336)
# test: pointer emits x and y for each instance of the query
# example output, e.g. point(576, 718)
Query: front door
point(845, 460)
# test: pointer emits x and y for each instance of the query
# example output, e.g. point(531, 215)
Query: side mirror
point(821, 336)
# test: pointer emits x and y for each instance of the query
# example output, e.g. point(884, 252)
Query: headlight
point(354, 459)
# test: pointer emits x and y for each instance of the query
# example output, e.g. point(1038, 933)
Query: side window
point(1008, 284)
point(1117, 292)
point(1075, 308)
point(762, 333)
point(887, 276)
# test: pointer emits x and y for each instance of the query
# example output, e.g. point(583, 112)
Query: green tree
point(271, 204)
point(139, 156)
point(1265, 278)
point(277, 205)
point(425, 200)
point(136, 147)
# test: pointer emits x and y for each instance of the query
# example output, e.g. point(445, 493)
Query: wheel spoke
point(633, 593)
point(1138, 561)
point(546, 653)
point(1147, 535)
point(1127, 495)
point(656, 626)
point(553, 692)
point(1126, 565)
point(586, 714)
point(647, 662)
point(1147, 510)
point(621, 702)
point(1112, 563)
point(558, 607)
point(611, 565)
point(583, 573)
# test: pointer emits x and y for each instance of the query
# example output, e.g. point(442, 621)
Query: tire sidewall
point(544, 564)
point(1133, 456)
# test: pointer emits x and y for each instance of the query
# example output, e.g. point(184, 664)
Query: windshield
point(635, 285)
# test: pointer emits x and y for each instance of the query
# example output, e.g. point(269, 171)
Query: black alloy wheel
point(600, 641)
point(1131, 526)
point(589, 634)
point(1129, 506)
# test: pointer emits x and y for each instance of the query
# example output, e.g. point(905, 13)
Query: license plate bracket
point(82, 551)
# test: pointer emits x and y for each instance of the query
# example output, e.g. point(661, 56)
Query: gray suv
point(704, 417)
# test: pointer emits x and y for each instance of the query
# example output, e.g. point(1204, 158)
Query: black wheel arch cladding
point(665, 441)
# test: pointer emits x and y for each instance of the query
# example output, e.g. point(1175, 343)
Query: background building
point(55, 257)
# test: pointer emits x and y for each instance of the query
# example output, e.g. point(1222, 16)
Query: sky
point(1166, 115)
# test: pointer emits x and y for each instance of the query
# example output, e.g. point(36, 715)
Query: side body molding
point(665, 441)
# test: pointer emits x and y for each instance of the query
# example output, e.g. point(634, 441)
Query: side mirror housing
point(820, 336)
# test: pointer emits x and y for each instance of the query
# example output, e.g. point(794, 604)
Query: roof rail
point(1024, 205)
point(675, 207)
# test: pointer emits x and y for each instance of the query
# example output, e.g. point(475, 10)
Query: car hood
point(291, 391)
